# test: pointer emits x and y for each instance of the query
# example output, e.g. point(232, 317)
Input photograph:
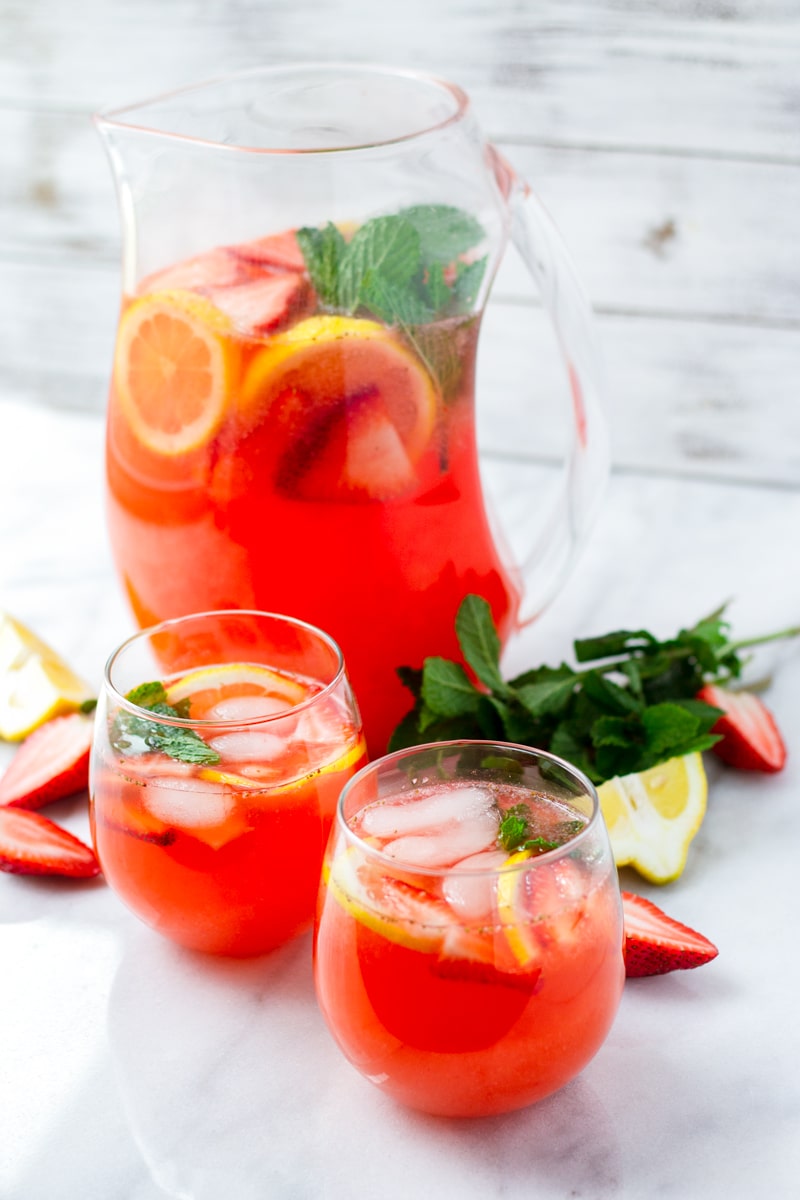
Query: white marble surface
point(130, 1070)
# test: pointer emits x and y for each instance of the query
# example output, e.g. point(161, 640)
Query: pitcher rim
point(112, 117)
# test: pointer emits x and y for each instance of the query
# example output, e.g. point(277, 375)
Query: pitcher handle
point(536, 238)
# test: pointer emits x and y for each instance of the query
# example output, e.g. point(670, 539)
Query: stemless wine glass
point(468, 945)
point(222, 741)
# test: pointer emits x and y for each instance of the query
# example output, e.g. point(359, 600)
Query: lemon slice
point(174, 367)
point(652, 817)
point(388, 906)
point(350, 403)
point(518, 933)
point(35, 683)
point(208, 686)
point(257, 781)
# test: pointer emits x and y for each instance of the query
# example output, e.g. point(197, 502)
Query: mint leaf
point(550, 696)
point(611, 644)
point(393, 304)
point(469, 277)
point(514, 826)
point(609, 695)
point(147, 694)
point(667, 726)
point(324, 251)
point(385, 248)
point(132, 733)
point(437, 290)
point(446, 689)
point(444, 232)
point(479, 642)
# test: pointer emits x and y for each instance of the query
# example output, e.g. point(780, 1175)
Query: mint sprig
point(628, 705)
point(133, 734)
point(405, 269)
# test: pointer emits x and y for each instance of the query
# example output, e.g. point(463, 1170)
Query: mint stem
point(747, 643)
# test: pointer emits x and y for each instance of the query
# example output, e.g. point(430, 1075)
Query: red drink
point(309, 463)
point(460, 978)
point(210, 820)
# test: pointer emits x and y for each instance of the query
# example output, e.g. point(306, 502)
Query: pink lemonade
point(220, 848)
point(461, 978)
point(264, 451)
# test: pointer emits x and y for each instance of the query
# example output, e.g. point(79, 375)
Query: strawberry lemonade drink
point(468, 949)
point(214, 784)
point(291, 427)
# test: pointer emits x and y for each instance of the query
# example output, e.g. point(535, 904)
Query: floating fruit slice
point(214, 268)
point(211, 687)
point(263, 303)
point(173, 370)
point(652, 817)
point(407, 915)
point(276, 250)
point(350, 408)
point(268, 778)
point(538, 906)
point(35, 682)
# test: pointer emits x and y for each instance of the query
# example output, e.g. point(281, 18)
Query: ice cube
point(320, 725)
point(187, 803)
point(245, 708)
point(446, 847)
point(248, 745)
point(442, 808)
point(472, 896)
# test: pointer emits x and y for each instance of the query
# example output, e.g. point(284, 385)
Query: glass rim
point(221, 723)
point(547, 856)
point(113, 117)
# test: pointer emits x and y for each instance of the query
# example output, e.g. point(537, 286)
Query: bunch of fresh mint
point(632, 708)
point(134, 734)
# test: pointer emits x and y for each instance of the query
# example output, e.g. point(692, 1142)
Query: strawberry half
point(750, 738)
point(278, 250)
point(50, 764)
point(264, 303)
point(32, 845)
point(656, 944)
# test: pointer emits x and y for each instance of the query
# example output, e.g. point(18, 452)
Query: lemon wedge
point(652, 817)
point(35, 683)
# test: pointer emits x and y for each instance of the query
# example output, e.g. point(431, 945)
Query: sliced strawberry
point(656, 944)
point(263, 303)
point(32, 845)
point(750, 738)
point(214, 269)
point(50, 764)
point(279, 250)
point(469, 970)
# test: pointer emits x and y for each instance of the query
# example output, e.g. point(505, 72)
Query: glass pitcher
point(307, 253)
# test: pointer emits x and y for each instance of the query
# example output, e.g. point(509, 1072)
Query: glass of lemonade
point(468, 943)
point(222, 741)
